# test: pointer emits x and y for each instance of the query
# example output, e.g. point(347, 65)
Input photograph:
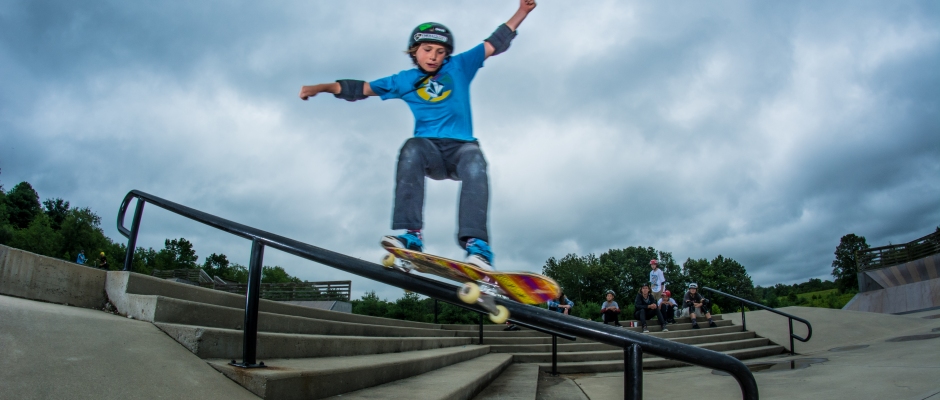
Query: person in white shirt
point(657, 280)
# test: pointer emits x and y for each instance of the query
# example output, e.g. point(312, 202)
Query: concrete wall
point(31, 276)
point(897, 299)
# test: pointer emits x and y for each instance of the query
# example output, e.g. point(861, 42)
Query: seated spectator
point(668, 306)
point(80, 260)
point(561, 304)
point(698, 305)
point(646, 308)
point(610, 310)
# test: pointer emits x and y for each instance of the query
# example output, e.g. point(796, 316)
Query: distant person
point(610, 310)
point(562, 304)
point(646, 308)
point(695, 302)
point(102, 261)
point(657, 280)
point(668, 306)
point(81, 258)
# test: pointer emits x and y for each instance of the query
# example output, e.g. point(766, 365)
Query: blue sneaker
point(480, 254)
point(410, 240)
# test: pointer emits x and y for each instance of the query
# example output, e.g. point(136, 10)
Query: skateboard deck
point(524, 287)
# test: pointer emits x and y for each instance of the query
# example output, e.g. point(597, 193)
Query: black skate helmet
point(432, 32)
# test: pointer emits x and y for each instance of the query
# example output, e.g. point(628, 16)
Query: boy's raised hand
point(527, 5)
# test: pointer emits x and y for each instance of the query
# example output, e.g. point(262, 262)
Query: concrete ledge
point(227, 343)
point(35, 277)
point(898, 299)
point(316, 378)
point(831, 328)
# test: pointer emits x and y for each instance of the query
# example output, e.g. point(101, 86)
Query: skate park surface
point(884, 369)
point(52, 350)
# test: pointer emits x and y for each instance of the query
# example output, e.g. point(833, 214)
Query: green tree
point(845, 266)
point(176, 254)
point(216, 265)
point(22, 205)
point(277, 274)
point(57, 210)
point(724, 274)
point(81, 230)
point(38, 237)
point(370, 304)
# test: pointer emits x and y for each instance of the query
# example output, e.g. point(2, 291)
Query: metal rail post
point(633, 372)
point(743, 320)
point(481, 329)
point(252, 298)
point(132, 240)
point(554, 355)
point(791, 337)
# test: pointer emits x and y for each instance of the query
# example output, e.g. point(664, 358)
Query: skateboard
point(524, 287)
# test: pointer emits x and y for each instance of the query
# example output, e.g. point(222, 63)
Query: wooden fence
point(305, 291)
point(886, 256)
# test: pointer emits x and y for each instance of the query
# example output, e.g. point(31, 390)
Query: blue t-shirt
point(441, 105)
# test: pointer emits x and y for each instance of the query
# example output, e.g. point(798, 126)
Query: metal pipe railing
point(791, 317)
point(633, 343)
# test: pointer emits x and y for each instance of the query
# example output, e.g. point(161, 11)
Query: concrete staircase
point(313, 353)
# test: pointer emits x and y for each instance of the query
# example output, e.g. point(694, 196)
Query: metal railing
point(887, 256)
point(633, 343)
point(809, 327)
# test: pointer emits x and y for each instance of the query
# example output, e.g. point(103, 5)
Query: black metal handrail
point(809, 327)
point(633, 343)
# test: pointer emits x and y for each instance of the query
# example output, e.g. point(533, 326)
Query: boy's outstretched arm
point(344, 89)
point(499, 41)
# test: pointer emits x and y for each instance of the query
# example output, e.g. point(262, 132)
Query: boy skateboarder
point(443, 146)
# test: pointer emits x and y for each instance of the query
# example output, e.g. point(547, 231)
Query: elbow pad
point(351, 90)
point(501, 38)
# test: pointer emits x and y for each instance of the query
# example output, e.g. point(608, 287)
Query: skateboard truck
point(470, 293)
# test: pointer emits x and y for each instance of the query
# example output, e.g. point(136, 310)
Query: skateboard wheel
point(501, 316)
point(469, 293)
point(388, 261)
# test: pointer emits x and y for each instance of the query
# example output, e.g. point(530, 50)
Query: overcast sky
point(761, 131)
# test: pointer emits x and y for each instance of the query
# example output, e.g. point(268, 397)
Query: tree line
point(54, 228)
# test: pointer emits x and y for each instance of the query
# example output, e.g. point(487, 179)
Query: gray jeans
point(441, 159)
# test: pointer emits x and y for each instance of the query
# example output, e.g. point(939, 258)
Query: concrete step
point(227, 343)
point(120, 283)
point(459, 381)
point(501, 334)
point(653, 363)
point(517, 382)
point(594, 346)
point(475, 327)
point(675, 331)
point(183, 312)
point(579, 356)
point(317, 378)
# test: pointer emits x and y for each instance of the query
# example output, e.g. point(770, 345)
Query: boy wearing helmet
point(668, 306)
point(696, 302)
point(443, 146)
point(610, 309)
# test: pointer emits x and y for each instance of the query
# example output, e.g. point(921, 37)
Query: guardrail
point(634, 344)
point(791, 317)
point(886, 256)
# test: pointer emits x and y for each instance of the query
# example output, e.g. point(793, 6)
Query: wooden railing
point(886, 256)
point(306, 291)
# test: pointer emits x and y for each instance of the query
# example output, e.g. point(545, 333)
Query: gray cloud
point(762, 132)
